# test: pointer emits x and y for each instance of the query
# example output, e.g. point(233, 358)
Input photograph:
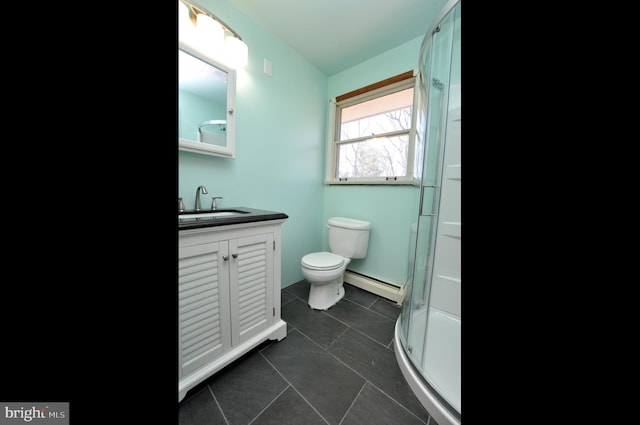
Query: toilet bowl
point(325, 272)
point(348, 239)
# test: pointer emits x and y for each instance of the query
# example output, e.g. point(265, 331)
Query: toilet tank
point(348, 237)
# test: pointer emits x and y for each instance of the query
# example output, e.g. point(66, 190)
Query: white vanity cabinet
point(228, 296)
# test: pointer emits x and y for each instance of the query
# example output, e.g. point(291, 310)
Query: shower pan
point(213, 132)
point(428, 331)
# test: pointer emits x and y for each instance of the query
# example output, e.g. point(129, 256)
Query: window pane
point(378, 157)
point(377, 116)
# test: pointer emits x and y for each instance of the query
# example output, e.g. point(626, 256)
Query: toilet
point(348, 239)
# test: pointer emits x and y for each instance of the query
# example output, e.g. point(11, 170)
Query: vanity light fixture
point(207, 33)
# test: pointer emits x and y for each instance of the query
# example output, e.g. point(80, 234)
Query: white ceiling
point(337, 34)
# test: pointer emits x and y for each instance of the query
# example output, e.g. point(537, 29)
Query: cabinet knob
point(225, 258)
point(234, 255)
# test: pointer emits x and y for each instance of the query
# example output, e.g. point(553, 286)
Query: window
point(372, 134)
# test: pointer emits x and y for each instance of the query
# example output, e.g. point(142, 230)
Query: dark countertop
point(252, 215)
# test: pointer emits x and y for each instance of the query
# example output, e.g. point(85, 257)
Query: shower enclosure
point(213, 132)
point(428, 330)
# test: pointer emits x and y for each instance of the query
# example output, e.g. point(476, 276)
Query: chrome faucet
point(204, 190)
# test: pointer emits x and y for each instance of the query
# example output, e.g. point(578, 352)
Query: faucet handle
point(213, 202)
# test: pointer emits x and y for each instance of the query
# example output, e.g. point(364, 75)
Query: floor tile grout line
point(353, 402)
point(348, 326)
point(387, 346)
point(401, 405)
point(292, 386)
point(313, 341)
point(373, 311)
point(381, 314)
point(377, 297)
point(292, 294)
point(368, 309)
point(289, 384)
point(357, 303)
point(218, 404)
point(376, 387)
point(359, 331)
point(353, 301)
point(286, 302)
point(272, 401)
point(326, 350)
point(387, 301)
point(293, 328)
point(336, 338)
point(374, 302)
point(350, 301)
point(366, 381)
point(358, 373)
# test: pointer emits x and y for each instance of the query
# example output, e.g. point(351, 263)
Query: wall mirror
point(206, 104)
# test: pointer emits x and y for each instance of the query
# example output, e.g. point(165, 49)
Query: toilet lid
point(322, 261)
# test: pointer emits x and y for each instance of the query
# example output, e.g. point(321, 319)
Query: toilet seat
point(322, 261)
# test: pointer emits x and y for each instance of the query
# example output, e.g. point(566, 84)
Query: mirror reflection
point(205, 106)
point(202, 101)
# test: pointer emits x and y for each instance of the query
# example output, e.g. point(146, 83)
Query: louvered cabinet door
point(203, 294)
point(251, 285)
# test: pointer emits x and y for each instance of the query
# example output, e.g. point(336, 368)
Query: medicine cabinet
point(206, 104)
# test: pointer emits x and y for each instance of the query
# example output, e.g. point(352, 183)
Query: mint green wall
point(390, 209)
point(280, 141)
point(280, 153)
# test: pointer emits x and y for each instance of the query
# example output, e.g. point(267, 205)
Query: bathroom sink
point(236, 215)
point(204, 215)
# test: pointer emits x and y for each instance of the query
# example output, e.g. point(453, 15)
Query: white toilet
point(348, 239)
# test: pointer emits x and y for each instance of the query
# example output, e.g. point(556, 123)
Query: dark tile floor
point(334, 367)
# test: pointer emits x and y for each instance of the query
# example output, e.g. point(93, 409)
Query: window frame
point(399, 82)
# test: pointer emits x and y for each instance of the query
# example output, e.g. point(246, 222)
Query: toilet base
point(325, 295)
point(340, 293)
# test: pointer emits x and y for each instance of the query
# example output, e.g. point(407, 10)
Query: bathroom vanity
point(228, 289)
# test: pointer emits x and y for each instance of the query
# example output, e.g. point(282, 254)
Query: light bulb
point(236, 52)
point(185, 26)
point(210, 33)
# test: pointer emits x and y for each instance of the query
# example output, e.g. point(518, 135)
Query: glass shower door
point(430, 320)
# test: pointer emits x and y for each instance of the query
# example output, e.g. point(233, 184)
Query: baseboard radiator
point(376, 286)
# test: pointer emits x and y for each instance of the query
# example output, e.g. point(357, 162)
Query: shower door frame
point(436, 404)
